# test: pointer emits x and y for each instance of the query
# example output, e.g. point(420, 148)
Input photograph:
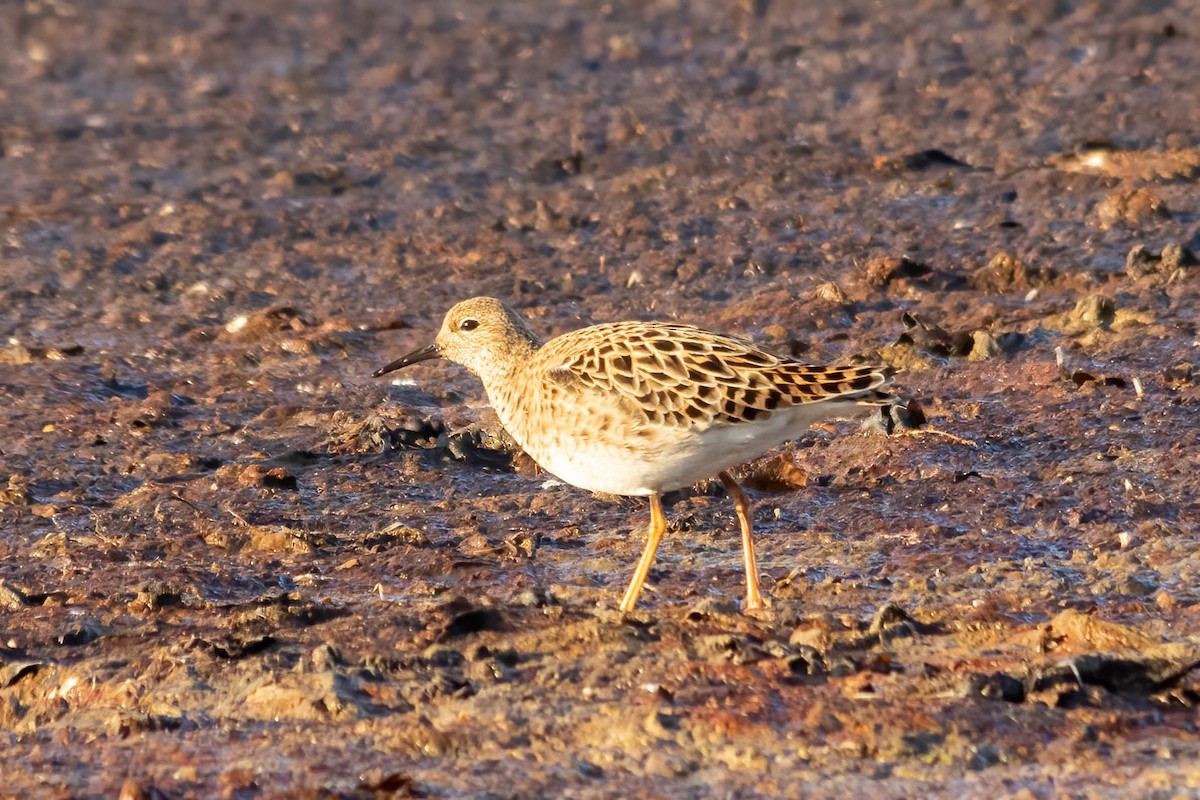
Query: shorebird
point(642, 408)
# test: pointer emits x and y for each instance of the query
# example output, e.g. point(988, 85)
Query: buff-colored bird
point(642, 408)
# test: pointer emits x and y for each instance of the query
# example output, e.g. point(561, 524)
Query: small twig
point(108, 540)
point(242, 520)
point(175, 496)
point(1075, 669)
point(936, 432)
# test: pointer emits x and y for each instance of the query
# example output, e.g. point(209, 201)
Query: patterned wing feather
point(682, 376)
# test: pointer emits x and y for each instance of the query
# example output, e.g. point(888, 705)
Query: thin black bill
point(417, 356)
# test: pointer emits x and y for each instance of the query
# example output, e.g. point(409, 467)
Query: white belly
point(674, 459)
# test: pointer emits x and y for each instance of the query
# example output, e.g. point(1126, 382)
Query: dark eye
point(468, 325)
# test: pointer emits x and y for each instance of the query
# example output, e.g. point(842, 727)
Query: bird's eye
point(468, 325)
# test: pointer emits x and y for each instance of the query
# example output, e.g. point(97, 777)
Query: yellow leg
point(754, 598)
point(654, 533)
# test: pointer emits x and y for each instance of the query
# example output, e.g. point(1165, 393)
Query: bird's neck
point(505, 381)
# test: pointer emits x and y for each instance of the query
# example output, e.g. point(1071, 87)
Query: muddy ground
point(233, 565)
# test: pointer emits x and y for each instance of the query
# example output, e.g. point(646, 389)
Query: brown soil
point(231, 564)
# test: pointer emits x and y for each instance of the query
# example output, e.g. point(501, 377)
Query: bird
point(644, 408)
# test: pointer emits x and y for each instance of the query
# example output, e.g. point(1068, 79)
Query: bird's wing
point(678, 375)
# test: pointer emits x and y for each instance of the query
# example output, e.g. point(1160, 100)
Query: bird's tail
point(856, 384)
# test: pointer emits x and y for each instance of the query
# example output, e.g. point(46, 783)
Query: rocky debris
point(1106, 158)
point(1128, 676)
point(882, 271)
point(777, 473)
point(1093, 311)
point(901, 274)
point(257, 325)
point(1006, 272)
point(16, 492)
point(896, 417)
point(159, 407)
point(17, 354)
point(996, 686)
point(1171, 262)
point(1181, 375)
point(828, 294)
point(977, 345)
point(267, 478)
point(1137, 207)
point(11, 597)
point(349, 433)
point(1098, 314)
point(1081, 377)
point(891, 621)
point(921, 160)
point(474, 445)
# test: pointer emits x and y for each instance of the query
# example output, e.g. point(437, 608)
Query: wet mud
point(234, 565)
